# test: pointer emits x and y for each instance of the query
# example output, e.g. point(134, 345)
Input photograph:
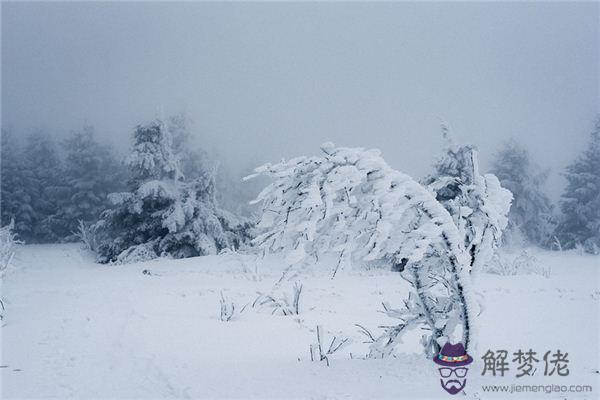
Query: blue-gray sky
point(264, 80)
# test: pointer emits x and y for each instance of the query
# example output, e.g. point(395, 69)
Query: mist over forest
point(259, 82)
point(271, 200)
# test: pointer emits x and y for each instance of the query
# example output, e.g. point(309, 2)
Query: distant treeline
point(52, 188)
point(533, 219)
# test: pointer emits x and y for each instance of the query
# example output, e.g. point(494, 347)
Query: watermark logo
point(497, 363)
point(452, 361)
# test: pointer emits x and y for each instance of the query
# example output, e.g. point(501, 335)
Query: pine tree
point(531, 215)
point(43, 187)
point(162, 213)
point(91, 172)
point(232, 194)
point(14, 199)
point(193, 160)
point(580, 224)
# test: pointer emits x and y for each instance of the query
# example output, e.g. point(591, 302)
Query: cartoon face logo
point(452, 360)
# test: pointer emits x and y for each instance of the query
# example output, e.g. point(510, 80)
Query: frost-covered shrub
point(281, 304)
point(349, 203)
point(524, 263)
point(8, 241)
point(323, 348)
point(87, 235)
point(227, 309)
point(163, 214)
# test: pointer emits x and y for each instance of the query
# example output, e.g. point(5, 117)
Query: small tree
point(531, 214)
point(350, 203)
point(162, 213)
point(580, 224)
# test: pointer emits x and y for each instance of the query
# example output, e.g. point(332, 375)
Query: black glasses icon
point(447, 372)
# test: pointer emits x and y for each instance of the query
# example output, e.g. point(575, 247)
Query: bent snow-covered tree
point(350, 203)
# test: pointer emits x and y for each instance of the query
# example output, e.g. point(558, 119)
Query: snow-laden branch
point(351, 203)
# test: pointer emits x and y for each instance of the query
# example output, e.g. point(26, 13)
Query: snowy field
point(76, 329)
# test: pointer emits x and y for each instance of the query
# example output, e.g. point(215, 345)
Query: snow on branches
point(478, 204)
point(351, 203)
point(165, 213)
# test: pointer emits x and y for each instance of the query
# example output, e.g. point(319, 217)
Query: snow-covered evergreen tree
point(531, 215)
point(350, 203)
point(162, 213)
point(35, 198)
point(193, 160)
point(478, 203)
point(15, 201)
point(580, 224)
point(91, 172)
point(232, 194)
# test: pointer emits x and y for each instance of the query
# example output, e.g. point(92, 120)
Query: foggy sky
point(264, 81)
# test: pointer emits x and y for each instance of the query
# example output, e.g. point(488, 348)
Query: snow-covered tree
point(531, 215)
point(479, 205)
point(580, 224)
point(8, 242)
point(33, 194)
point(91, 172)
point(350, 203)
point(193, 160)
point(162, 213)
point(232, 194)
point(15, 201)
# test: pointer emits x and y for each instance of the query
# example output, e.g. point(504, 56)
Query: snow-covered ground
point(76, 329)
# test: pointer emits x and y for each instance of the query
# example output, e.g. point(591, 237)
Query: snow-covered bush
point(8, 241)
point(320, 350)
point(281, 304)
point(163, 214)
point(87, 235)
point(524, 263)
point(350, 203)
point(479, 205)
point(227, 309)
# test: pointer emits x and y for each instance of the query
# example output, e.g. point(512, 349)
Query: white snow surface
point(76, 329)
